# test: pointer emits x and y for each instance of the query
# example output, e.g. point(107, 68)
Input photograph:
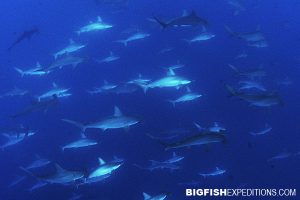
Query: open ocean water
point(136, 99)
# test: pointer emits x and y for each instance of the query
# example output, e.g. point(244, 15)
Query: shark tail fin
point(78, 124)
point(161, 23)
point(20, 71)
point(231, 33)
point(146, 196)
point(125, 42)
point(172, 102)
point(145, 88)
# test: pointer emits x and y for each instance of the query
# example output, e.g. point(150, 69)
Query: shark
point(134, 37)
point(117, 121)
point(191, 19)
point(94, 26)
point(37, 105)
point(37, 163)
point(217, 172)
point(14, 92)
point(267, 129)
point(103, 171)
point(157, 197)
point(81, 143)
point(203, 138)
point(171, 80)
point(72, 47)
point(38, 185)
point(104, 88)
point(63, 61)
point(36, 71)
point(55, 91)
point(13, 139)
point(254, 36)
point(61, 176)
point(159, 165)
point(108, 59)
point(189, 96)
point(28, 34)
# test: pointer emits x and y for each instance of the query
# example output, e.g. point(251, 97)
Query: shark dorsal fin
point(146, 196)
point(117, 112)
point(71, 41)
point(171, 72)
point(188, 89)
point(99, 19)
point(111, 53)
point(82, 135)
point(198, 126)
point(193, 13)
point(54, 85)
point(101, 161)
point(217, 168)
point(105, 82)
point(140, 76)
point(204, 29)
point(184, 13)
point(59, 169)
point(174, 154)
point(38, 65)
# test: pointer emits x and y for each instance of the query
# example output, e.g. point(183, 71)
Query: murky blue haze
point(266, 160)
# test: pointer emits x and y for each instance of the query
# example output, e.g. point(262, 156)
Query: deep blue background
point(206, 63)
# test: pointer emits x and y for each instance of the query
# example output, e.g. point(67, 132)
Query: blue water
point(243, 156)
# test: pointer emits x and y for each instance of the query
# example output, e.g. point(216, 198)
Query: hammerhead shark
point(25, 35)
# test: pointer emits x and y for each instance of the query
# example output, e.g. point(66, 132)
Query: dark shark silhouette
point(38, 105)
point(191, 19)
point(25, 35)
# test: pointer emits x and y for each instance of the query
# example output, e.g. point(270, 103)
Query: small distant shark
point(72, 47)
point(171, 80)
point(14, 92)
point(217, 172)
point(13, 139)
point(202, 138)
point(37, 105)
point(38, 163)
point(81, 143)
point(94, 26)
point(157, 197)
point(106, 87)
point(186, 20)
point(108, 59)
point(189, 96)
point(267, 129)
point(63, 61)
point(62, 176)
point(37, 71)
point(103, 171)
point(159, 165)
point(134, 37)
point(117, 121)
point(55, 91)
point(25, 35)
point(37, 186)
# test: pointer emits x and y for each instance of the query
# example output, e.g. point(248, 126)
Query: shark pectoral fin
point(127, 128)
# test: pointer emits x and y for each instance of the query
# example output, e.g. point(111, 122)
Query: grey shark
point(112, 57)
point(81, 143)
point(134, 37)
point(14, 92)
point(72, 47)
point(217, 172)
point(61, 62)
point(36, 106)
point(117, 121)
point(38, 163)
point(36, 71)
point(103, 171)
point(94, 26)
point(157, 197)
point(13, 139)
point(55, 91)
point(191, 19)
point(266, 130)
point(171, 80)
point(189, 96)
point(203, 138)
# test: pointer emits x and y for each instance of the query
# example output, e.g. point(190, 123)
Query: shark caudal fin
point(161, 23)
point(20, 71)
point(125, 42)
point(78, 124)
